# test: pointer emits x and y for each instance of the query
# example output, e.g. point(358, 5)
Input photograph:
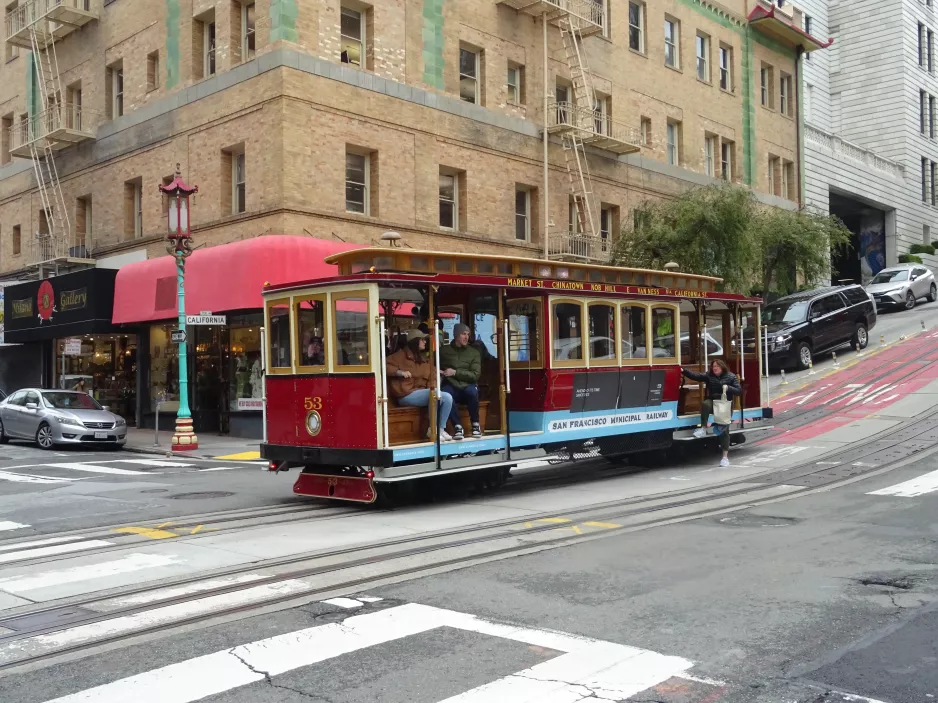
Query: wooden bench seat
point(407, 425)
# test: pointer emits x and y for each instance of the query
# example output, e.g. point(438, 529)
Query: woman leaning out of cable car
point(412, 378)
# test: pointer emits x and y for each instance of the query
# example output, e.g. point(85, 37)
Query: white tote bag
point(723, 410)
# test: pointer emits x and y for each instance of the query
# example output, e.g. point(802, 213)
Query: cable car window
point(503, 268)
point(662, 325)
point(567, 331)
point(351, 331)
point(634, 347)
point(524, 332)
point(596, 276)
point(526, 270)
point(278, 324)
point(311, 332)
point(602, 330)
point(485, 267)
point(578, 275)
point(463, 265)
point(442, 265)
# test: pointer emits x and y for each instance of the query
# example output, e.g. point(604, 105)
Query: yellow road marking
point(196, 529)
point(165, 524)
point(604, 525)
point(559, 520)
point(151, 532)
point(243, 456)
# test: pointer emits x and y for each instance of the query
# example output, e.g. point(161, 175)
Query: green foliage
point(723, 231)
point(935, 244)
point(910, 259)
point(922, 249)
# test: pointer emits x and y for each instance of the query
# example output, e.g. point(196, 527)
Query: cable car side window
point(566, 331)
point(311, 334)
point(664, 328)
point(524, 333)
point(602, 334)
point(280, 359)
point(352, 340)
point(633, 333)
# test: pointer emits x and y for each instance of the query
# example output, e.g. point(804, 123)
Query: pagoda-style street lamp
point(180, 247)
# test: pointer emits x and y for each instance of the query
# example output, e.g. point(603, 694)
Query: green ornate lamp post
point(180, 247)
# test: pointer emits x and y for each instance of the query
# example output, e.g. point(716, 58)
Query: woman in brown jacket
point(411, 377)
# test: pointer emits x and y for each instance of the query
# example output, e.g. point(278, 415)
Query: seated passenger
point(461, 367)
point(315, 353)
point(411, 378)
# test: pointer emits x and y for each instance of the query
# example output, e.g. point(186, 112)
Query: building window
point(449, 201)
point(726, 68)
point(356, 182)
point(515, 84)
point(930, 48)
point(924, 180)
point(934, 190)
point(703, 57)
point(522, 212)
point(785, 95)
point(672, 43)
point(352, 37)
point(709, 155)
point(248, 37)
point(922, 102)
point(133, 209)
point(115, 85)
point(238, 184)
point(153, 71)
point(674, 143)
point(726, 160)
point(808, 26)
point(608, 224)
point(469, 62)
point(83, 223)
point(6, 135)
point(931, 116)
point(921, 44)
point(788, 180)
point(600, 114)
point(808, 101)
point(775, 167)
point(646, 131)
point(208, 44)
point(637, 27)
point(926, 234)
point(11, 51)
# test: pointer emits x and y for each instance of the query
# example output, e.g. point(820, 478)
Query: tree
point(723, 231)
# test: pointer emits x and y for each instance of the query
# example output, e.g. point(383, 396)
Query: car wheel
point(932, 293)
point(860, 338)
point(804, 356)
point(909, 300)
point(3, 435)
point(44, 436)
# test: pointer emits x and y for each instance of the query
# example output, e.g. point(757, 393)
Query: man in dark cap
point(461, 366)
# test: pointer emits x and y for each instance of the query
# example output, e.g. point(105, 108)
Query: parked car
point(51, 417)
point(803, 325)
point(903, 285)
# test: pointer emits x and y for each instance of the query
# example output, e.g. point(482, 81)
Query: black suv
point(802, 325)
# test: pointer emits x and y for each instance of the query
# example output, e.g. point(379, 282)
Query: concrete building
point(341, 120)
point(870, 127)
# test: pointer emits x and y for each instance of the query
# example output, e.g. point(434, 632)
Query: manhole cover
point(156, 490)
point(756, 521)
point(200, 496)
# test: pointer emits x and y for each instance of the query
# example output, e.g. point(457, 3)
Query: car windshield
point(70, 401)
point(891, 276)
point(785, 312)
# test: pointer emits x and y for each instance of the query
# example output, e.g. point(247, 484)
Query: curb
point(160, 451)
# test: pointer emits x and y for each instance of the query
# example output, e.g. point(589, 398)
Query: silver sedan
point(51, 417)
point(903, 285)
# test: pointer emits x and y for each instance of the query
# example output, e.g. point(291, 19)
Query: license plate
point(100, 435)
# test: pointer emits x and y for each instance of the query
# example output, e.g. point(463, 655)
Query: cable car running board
point(443, 472)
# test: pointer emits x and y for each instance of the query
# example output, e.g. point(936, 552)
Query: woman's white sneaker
point(724, 462)
point(700, 432)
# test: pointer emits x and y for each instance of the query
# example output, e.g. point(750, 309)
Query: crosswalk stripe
point(53, 549)
point(219, 468)
point(175, 591)
point(153, 462)
point(6, 525)
point(86, 572)
point(29, 478)
point(98, 469)
point(39, 543)
point(911, 489)
point(586, 665)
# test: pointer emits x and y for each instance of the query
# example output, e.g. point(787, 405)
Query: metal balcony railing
point(57, 127)
point(593, 127)
point(579, 246)
point(65, 16)
point(588, 15)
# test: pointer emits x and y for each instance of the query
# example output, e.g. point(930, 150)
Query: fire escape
point(54, 122)
point(582, 122)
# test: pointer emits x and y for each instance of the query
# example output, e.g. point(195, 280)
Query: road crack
point(587, 692)
point(269, 680)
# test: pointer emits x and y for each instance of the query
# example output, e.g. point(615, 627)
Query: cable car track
point(629, 508)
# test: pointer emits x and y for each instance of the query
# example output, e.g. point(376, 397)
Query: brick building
point(343, 119)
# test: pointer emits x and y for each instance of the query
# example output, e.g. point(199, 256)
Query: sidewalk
point(211, 446)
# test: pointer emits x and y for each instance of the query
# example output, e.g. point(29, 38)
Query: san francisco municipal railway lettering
point(599, 421)
point(605, 288)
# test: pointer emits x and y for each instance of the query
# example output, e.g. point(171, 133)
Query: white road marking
point(55, 549)
point(612, 671)
point(369, 599)
point(98, 469)
point(7, 525)
point(45, 579)
point(176, 591)
point(344, 602)
point(27, 478)
point(39, 543)
point(911, 489)
point(41, 644)
point(149, 462)
point(223, 468)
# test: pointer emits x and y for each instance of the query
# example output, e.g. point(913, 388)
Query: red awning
point(221, 278)
point(781, 29)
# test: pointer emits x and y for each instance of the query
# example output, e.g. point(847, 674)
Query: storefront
point(224, 361)
point(68, 340)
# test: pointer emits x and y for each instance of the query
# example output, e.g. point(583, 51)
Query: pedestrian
point(719, 379)
point(461, 366)
point(412, 378)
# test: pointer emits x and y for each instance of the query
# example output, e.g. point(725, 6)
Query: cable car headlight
point(313, 423)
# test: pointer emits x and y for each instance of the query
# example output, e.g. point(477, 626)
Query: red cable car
point(573, 359)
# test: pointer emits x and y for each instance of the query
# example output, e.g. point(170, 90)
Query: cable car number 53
point(312, 403)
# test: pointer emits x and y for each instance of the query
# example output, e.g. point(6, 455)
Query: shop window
point(634, 346)
point(164, 366)
point(105, 367)
point(663, 325)
point(351, 342)
point(602, 330)
point(567, 333)
point(310, 331)
point(278, 330)
point(524, 331)
point(245, 386)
